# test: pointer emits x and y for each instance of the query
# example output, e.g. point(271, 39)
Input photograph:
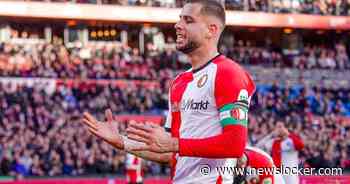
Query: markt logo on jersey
point(191, 104)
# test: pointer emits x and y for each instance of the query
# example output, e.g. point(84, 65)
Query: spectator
point(320, 7)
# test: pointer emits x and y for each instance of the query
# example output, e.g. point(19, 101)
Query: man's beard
point(189, 47)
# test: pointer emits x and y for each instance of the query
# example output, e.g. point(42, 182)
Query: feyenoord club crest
point(201, 82)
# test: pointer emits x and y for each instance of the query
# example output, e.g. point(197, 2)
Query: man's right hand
point(108, 131)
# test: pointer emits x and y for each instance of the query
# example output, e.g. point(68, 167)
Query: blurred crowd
point(123, 62)
point(311, 113)
point(41, 133)
point(309, 57)
point(319, 7)
point(91, 61)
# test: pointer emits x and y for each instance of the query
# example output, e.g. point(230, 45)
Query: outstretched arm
point(266, 142)
point(109, 132)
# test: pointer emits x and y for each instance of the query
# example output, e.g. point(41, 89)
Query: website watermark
point(206, 169)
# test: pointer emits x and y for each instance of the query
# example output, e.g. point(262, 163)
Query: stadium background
point(59, 58)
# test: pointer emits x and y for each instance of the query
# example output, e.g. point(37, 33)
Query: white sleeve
point(167, 124)
point(265, 143)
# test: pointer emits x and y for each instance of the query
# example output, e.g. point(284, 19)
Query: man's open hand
point(108, 131)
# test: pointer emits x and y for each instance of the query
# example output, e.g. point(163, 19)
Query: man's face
point(281, 129)
point(190, 29)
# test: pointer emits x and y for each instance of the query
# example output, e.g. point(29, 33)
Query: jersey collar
point(206, 64)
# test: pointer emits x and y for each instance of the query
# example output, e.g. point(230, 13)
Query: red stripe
point(132, 175)
point(177, 90)
point(276, 152)
point(173, 165)
point(175, 124)
point(136, 161)
point(219, 180)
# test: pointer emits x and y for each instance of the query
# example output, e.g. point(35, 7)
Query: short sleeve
point(233, 91)
point(232, 84)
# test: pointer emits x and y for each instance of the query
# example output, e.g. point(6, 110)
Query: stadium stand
point(318, 7)
point(45, 85)
point(39, 129)
point(58, 61)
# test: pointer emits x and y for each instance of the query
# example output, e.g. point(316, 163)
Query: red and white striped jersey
point(284, 153)
point(195, 100)
point(133, 169)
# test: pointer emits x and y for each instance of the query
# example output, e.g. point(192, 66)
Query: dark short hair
point(211, 7)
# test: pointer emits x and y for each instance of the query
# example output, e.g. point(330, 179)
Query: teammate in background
point(133, 169)
point(284, 147)
point(208, 105)
point(256, 158)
